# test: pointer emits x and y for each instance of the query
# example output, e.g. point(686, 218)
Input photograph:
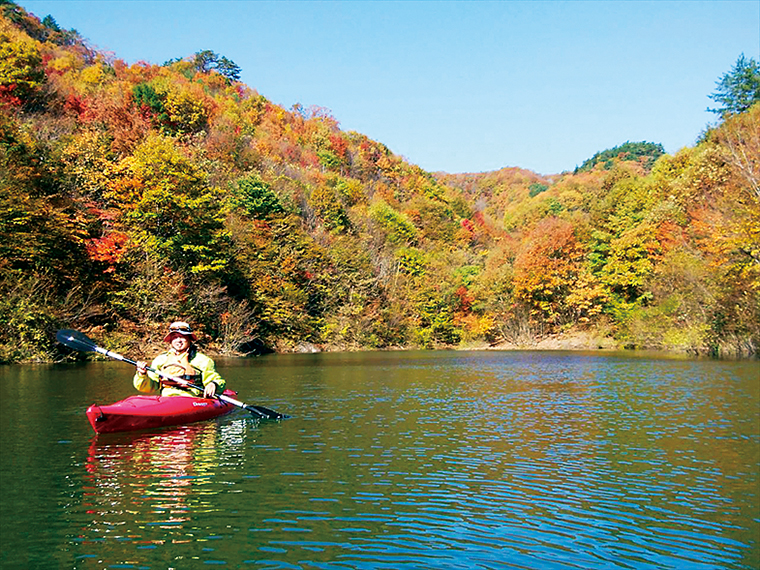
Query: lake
point(394, 460)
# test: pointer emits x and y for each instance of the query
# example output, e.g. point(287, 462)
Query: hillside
point(133, 195)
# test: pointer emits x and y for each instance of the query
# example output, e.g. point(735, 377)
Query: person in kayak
point(182, 360)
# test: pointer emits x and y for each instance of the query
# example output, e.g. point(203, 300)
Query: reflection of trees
point(156, 480)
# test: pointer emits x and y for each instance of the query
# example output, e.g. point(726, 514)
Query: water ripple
point(409, 461)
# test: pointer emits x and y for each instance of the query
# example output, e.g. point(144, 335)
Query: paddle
point(79, 341)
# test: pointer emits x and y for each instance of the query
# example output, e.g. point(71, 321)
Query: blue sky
point(457, 86)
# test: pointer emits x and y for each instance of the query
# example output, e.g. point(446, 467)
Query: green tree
point(255, 198)
point(643, 151)
point(206, 60)
point(400, 228)
point(49, 22)
point(536, 188)
point(738, 89)
point(147, 98)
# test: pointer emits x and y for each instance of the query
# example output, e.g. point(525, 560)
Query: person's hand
point(210, 390)
point(142, 367)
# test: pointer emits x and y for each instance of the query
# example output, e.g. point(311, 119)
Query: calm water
point(397, 461)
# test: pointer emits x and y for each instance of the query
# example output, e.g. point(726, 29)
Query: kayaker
point(182, 360)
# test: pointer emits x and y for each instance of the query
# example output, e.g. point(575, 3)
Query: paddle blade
point(75, 340)
point(266, 412)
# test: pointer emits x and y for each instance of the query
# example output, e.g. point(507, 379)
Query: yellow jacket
point(192, 366)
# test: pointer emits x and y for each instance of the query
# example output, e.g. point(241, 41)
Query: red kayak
point(146, 412)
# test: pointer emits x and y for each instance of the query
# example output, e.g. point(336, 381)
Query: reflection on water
point(162, 479)
point(410, 460)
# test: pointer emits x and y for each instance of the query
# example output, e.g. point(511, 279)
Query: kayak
point(147, 412)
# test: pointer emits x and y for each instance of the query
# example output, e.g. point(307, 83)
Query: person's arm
point(213, 383)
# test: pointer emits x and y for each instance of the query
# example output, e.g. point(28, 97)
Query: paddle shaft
point(180, 381)
point(79, 341)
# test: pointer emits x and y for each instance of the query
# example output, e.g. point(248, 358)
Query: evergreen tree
point(738, 89)
point(206, 60)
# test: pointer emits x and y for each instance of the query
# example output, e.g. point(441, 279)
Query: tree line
point(133, 195)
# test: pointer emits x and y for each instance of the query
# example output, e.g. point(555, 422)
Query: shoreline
point(574, 341)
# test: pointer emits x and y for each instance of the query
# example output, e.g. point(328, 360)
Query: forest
point(132, 195)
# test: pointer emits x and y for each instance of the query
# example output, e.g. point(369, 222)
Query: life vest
point(178, 365)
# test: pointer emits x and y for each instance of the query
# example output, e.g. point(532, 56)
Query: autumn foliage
point(133, 195)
